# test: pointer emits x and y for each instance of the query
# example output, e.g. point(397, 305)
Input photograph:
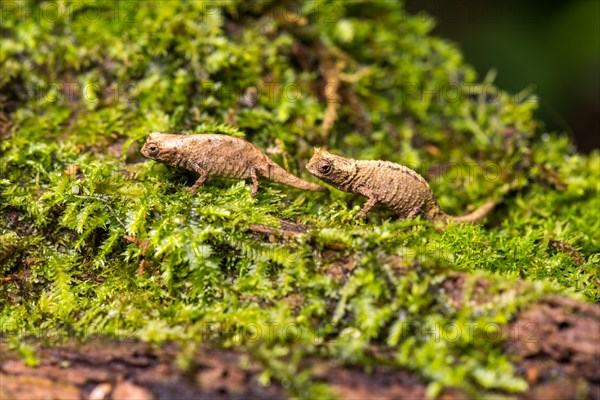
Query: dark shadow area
point(554, 46)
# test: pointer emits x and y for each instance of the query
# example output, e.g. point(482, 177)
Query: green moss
point(81, 216)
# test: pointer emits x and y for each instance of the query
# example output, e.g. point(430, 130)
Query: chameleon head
point(330, 168)
point(161, 146)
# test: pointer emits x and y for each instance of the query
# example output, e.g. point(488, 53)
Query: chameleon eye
point(153, 149)
point(325, 169)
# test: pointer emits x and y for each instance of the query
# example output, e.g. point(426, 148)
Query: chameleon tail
point(476, 215)
point(280, 175)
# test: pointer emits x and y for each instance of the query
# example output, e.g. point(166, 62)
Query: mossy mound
point(95, 241)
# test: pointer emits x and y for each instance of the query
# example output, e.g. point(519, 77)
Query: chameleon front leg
point(366, 208)
point(254, 177)
point(203, 175)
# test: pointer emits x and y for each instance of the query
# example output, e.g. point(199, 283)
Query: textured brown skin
point(219, 155)
point(397, 187)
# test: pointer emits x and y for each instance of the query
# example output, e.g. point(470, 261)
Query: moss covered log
point(95, 240)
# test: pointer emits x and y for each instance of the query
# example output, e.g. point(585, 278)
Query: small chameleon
point(219, 155)
point(397, 187)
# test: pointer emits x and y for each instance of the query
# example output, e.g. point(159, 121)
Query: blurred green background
point(553, 45)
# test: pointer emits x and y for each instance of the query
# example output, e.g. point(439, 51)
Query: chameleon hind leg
point(254, 177)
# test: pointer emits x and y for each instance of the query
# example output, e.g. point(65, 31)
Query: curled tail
point(277, 174)
point(470, 218)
